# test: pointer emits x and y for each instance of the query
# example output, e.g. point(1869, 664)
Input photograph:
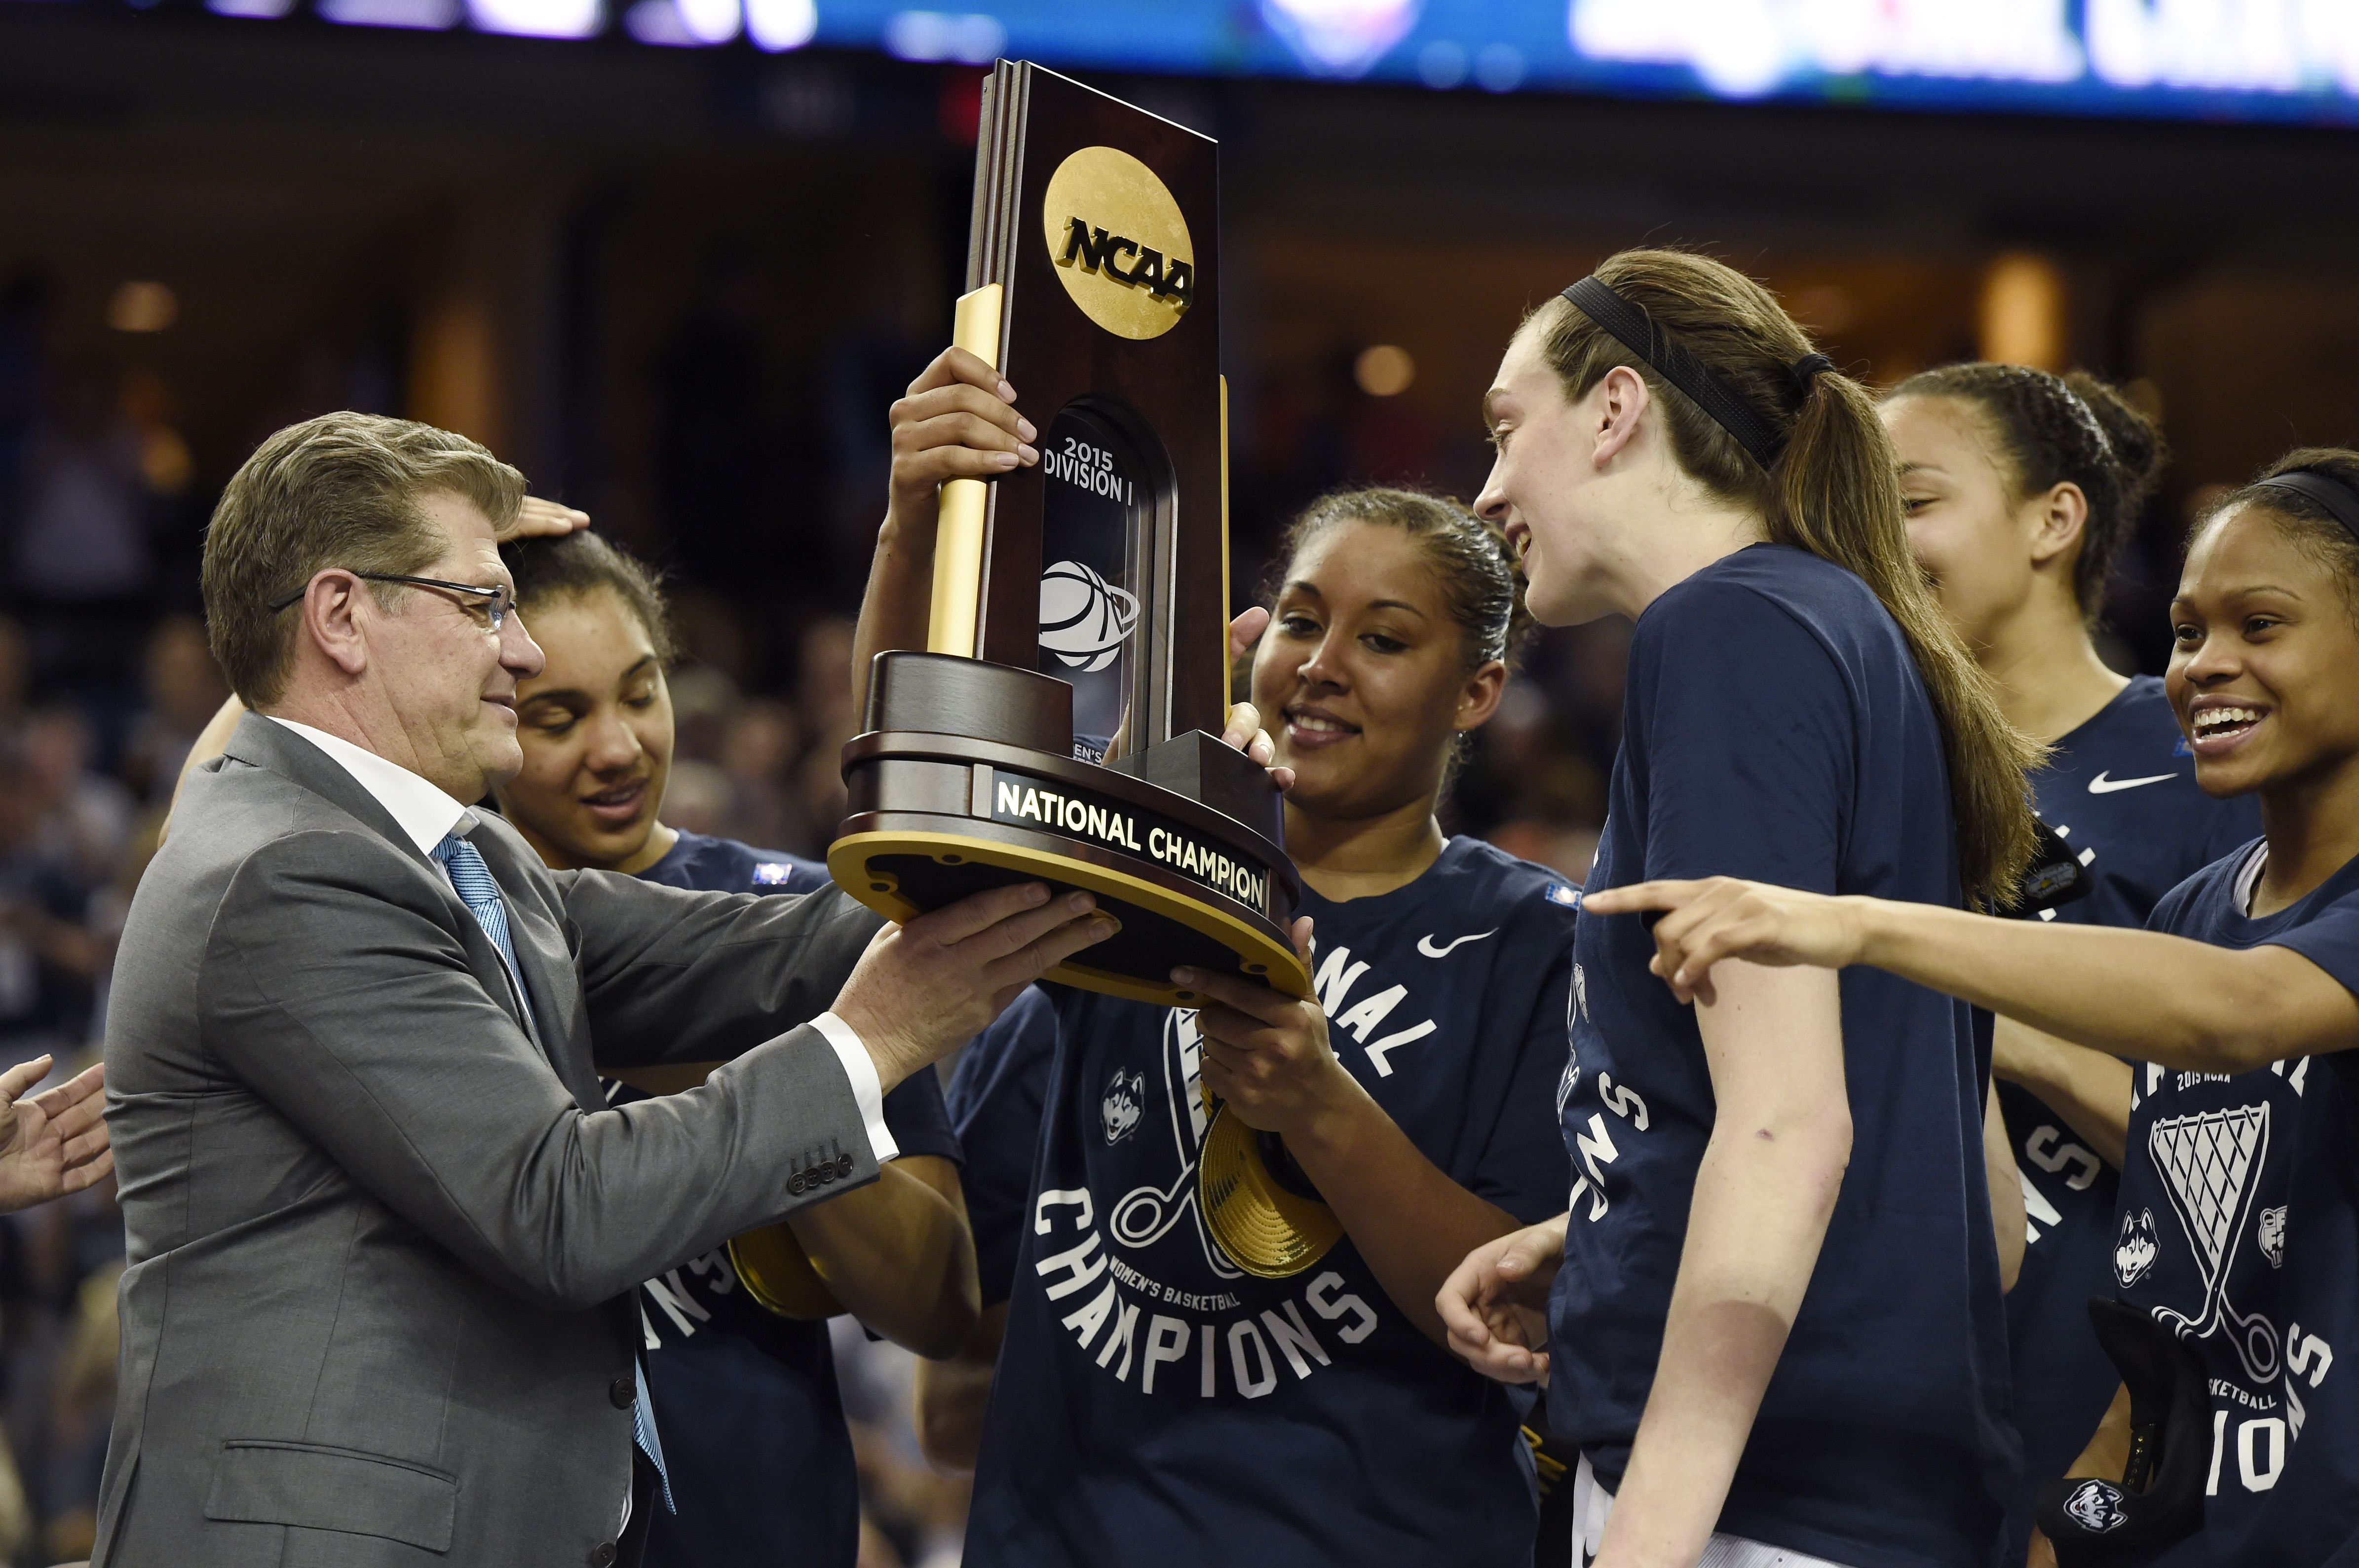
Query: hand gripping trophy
point(1063, 724)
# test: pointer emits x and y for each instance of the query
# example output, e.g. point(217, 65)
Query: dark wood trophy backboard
point(1063, 723)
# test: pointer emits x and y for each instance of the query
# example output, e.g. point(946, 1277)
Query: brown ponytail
point(1832, 490)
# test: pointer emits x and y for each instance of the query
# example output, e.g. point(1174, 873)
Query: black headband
point(1637, 332)
point(2342, 502)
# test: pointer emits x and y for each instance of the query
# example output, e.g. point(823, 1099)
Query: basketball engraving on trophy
point(1084, 620)
point(1119, 243)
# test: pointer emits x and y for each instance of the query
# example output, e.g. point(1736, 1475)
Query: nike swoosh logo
point(2101, 784)
point(1425, 943)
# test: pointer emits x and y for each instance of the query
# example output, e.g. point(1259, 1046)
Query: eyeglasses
point(494, 611)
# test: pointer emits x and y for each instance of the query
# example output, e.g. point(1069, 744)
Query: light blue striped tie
point(471, 879)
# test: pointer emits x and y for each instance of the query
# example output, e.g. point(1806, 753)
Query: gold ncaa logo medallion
point(1119, 243)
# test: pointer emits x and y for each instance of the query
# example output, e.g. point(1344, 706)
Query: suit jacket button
point(624, 1391)
point(603, 1555)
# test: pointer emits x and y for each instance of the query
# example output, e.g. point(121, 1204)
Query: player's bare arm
point(898, 1255)
point(1764, 1194)
point(2138, 994)
point(951, 1394)
point(2090, 1089)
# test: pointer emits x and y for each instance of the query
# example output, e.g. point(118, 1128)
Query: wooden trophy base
point(964, 782)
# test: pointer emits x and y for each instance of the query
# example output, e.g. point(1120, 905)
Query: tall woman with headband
point(1773, 1312)
point(2022, 488)
point(2239, 1218)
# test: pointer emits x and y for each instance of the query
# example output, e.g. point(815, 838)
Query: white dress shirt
point(426, 815)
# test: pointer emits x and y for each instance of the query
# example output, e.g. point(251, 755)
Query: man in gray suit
point(383, 1229)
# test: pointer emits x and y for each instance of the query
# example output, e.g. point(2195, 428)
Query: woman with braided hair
point(2022, 488)
point(1773, 1313)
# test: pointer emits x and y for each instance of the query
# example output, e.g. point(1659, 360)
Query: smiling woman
point(1412, 1096)
point(2022, 488)
point(745, 1398)
point(596, 723)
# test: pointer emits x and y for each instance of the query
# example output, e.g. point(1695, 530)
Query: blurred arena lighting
point(2228, 45)
point(1384, 369)
point(1442, 64)
point(710, 21)
point(1743, 48)
point(2023, 311)
point(1499, 68)
point(2210, 59)
point(538, 19)
point(975, 39)
point(430, 14)
point(778, 25)
point(142, 306)
point(1340, 37)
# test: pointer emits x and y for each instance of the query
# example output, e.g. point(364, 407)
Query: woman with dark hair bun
point(756, 1445)
point(2022, 488)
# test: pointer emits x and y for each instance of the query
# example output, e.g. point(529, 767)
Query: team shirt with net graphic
point(1775, 729)
point(1153, 1405)
point(754, 1443)
point(2238, 1226)
point(2121, 791)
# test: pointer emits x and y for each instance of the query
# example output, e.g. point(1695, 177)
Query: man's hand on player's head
point(938, 980)
point(539, 519)
point(958, 421)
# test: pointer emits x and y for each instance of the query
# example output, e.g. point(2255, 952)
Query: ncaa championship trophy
point(1063, 723)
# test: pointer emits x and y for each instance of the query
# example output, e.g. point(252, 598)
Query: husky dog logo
point(1148, 1213)
point(2097, 1507)
point(1124, 1103)
point(2134, 1254)
point(2209, 1163)
point(1084, 620)
point(2272, 1236)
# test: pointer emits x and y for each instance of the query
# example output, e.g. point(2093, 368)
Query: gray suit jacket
point(378, 1305)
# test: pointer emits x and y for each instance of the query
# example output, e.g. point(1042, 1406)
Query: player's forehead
point(1358, 564)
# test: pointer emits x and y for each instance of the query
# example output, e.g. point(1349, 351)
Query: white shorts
point(1592, 1503)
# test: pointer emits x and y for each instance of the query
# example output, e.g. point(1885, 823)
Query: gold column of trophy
point(1063, 723)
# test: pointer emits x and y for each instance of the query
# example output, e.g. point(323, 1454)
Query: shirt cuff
point(867, 1089)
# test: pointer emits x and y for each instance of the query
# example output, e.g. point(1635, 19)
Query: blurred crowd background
point(680, 288)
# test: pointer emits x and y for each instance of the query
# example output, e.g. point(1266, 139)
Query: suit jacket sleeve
point(334, 990)
point(673, 975)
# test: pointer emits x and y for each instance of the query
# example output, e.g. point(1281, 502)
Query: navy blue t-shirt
point(2121, 790)
point(2239, 1225)
point(1775, 729)
point(1157, 1407)
point(753, 1436)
